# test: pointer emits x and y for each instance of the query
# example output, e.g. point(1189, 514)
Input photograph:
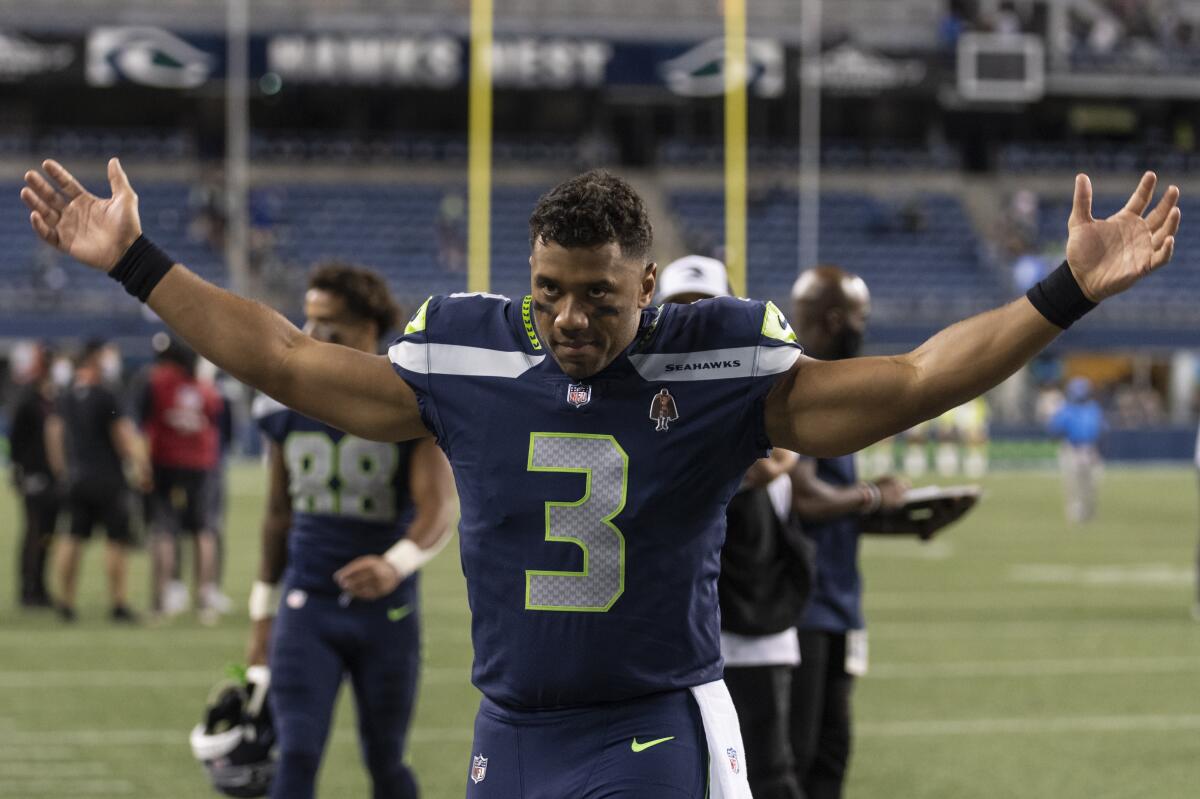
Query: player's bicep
point(831, 408)
point(354, 391)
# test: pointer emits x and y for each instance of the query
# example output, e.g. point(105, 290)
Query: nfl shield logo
point(579, 394)
point(478, 768)
point(733, 759)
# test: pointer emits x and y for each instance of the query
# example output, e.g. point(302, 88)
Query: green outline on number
point(561, 539)
point(333, 469)
point(385, 483)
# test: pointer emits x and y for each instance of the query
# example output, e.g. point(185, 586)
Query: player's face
point(327, 319)
point(587, 303)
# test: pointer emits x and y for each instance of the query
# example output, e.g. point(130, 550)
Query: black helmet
point(236, 741)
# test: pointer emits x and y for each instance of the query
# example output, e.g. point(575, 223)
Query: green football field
point(1013, 656)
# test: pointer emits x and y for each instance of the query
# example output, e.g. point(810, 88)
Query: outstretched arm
point(831, 408)
point(348, 389)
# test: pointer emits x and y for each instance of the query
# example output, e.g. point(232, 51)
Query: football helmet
point(236, 741)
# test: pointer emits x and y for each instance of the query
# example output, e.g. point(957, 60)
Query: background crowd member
point(830, 307)
point(90, 442)
point(766, 574)
point(179, 416)
point(215, 482)
point(1079, 423)
point(31, 473)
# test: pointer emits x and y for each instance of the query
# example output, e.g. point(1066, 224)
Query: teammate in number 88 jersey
point(591, 566)
point(349, 497)
point(358, 518)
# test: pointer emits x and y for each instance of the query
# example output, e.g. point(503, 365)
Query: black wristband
point(141, 268)
point(1059, 298)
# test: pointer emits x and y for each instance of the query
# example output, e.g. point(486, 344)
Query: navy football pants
point(650, 748)
point(312, 647)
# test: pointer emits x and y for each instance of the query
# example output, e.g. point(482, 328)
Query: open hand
point(1107, 256)
point(368, 577)
point(71, 219)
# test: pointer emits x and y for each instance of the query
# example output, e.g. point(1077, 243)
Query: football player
point(592, 518)
point(348, 523)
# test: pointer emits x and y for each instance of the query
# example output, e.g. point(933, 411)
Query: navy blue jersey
point(593, 510)
point(836, 602)
point(349, 496)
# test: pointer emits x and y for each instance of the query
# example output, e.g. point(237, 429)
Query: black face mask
point(848, 344)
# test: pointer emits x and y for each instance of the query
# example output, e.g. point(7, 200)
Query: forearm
point(831, 408)
point(972, 356)
point(247, 339)
point(829, 502)
point(431, 531)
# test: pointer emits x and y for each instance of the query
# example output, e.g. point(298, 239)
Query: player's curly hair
point(591, 210)
point(364, 291)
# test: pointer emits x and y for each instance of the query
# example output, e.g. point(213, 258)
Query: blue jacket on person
point(1080, 423)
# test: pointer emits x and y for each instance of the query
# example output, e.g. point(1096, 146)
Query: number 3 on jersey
point(586, 522)
point(350, 478)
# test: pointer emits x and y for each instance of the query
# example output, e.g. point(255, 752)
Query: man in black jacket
point(766, 572)
point(32, 477)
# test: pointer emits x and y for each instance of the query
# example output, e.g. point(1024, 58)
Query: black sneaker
point(66, 613)
point(123, 615)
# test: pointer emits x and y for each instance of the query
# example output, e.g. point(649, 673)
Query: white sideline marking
point(968, 599)
point(177, 737)
point(1142, 574)
point(23, 680)
point(1036, 668)
point(1019, 726)
point(1032, 628)
point(34, 770)
point(908, 550)
point(173, 737)
point(882, 729)
point(157, 637)
point(19, 753)
point(70, 787)
point(106, 679)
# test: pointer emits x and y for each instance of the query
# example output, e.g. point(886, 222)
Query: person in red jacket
point(179, 417)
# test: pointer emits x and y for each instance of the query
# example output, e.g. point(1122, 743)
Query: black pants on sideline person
point(821, 691)
point(41, 514)
point(763, 698)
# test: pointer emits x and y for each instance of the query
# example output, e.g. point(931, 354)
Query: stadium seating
point(925, 263)
point(1093, 157)
point(920, 256)
point(835, 154)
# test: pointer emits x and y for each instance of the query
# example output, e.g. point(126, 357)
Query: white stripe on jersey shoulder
point(457, 359)
point(484, 294)
point(263, 406)
point(715, 364)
